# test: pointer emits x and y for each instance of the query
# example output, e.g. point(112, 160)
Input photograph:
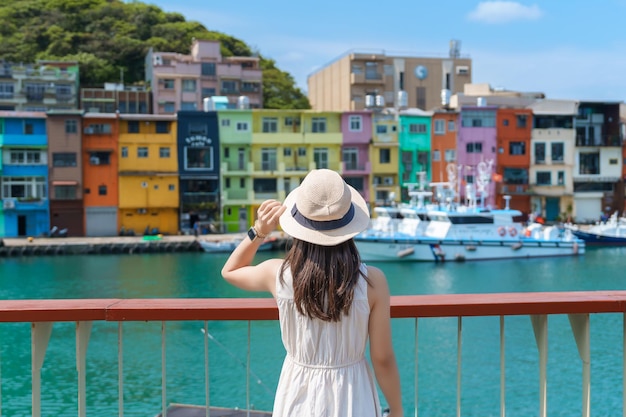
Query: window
point(227, 183)
point(355, 123)
point(320, 156)
point(24, 187)
point(440, 127)
point(162, 127)
point(478, 118)
point(318, 125)
point(350, 158)
point(200, 129)
point(560, 178)
point(171, 187)
point(613, 161)
point(65, 192)
point(381, 129)
point(168, 84)
point(99, 158)
point(270, 124)
point(207, 69)
point(436, 155)
point(287, 152)
point(6, 90)
point(589, 163)
point(517, 148)
point(450, 155)
point(505, 122)
point(71, 126)
point(540, 153)
point(25, 157)
point(142, 152)
point(189, 85)
point(98, 129)
point(474, 147)
point(557, 151)
point(226, 153)
point(242, 127)
point(164, 152)
point(301, 151)
point(169, 107)
point(102, 190)
point(64, 159)
point(29, 128)
point(133, 126)
point(208, 92)
point(544, 178)
point(225, 122)
point(124, 152)
point(198, 157)
point(451, 126)
point(515, 176)
point(384, 156)
point(188, 105)
point(242, 183)
point(268, 159)
point(521, 120)
point(417, 128)
point(229, 87)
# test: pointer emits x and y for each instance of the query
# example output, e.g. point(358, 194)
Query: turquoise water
point(196, 275)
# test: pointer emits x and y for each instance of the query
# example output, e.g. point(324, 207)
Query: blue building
point(24, 169)
point(199, 171)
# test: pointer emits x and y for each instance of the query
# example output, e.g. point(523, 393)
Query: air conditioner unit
point(388, 180)
point(157, 60)
point(89, 130)
point(8, 203)
point(94, 160)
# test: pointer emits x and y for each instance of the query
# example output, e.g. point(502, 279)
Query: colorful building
point(198, 147)
point(513, 135)
point(24, 151)
point(443, 144)
point(148, 175)
point(65, 165)
point(100, 159)
point(356, 127)
point(415, 147)
point(384, 159)
point(235, 133)
point(476, 155)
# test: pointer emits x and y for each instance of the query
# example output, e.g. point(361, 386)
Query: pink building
point(181, 82)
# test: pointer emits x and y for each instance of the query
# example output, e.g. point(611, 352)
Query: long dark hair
point(324, 278)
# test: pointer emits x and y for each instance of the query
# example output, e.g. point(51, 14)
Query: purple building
point(476, 154)
point(356, 128)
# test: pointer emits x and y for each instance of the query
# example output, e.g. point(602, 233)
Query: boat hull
point(594, 239)
point(437, 250)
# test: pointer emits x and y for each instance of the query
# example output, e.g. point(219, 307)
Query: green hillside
point(110, 36)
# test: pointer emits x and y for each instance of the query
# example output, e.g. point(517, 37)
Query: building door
point(552, 208)
point(243, 219)
point(21, 225)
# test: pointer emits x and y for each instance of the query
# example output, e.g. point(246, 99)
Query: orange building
point(513, 133)
point(100, 173)
point(443, 143)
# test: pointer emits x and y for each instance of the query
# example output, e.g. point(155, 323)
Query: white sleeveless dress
point(325, 372)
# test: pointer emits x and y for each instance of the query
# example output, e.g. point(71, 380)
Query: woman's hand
point(267, 216)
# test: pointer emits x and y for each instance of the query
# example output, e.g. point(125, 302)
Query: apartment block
point(116, 98)
point(181, 82)
point(39, 87)
point(361, 80)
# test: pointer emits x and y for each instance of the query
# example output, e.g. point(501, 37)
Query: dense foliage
point(109, 38)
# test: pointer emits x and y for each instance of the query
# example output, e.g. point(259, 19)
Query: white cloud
point(504, 11)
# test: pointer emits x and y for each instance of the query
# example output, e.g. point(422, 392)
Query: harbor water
point(185, 275)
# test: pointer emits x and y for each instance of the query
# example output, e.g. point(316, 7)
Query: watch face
point(251, 233)
point(421, 72)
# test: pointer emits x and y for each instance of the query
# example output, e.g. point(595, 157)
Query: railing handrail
point(408, 306)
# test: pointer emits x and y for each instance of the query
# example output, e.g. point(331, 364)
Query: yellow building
point(384, 159)
point(148, 174)
point(287, 144)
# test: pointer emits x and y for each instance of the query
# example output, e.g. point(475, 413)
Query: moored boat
point(610, 233)
point(227, 246)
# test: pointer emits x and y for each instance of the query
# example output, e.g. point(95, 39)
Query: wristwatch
point(253, 234)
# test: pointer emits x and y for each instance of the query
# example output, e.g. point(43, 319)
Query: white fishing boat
point(227, 246)
point(609, 233)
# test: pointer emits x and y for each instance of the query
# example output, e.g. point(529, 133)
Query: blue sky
point(568, 49)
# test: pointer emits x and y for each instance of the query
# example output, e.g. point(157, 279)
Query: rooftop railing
point(577, 306)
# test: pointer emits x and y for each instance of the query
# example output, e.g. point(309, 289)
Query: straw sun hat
point(324, 210)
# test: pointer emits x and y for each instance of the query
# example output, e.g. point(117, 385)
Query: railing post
point(163, 373)
point(415, 376)
point(206, 369)
point(120, 371)
point(40, 336)
point(459, 344)
point(502, 370)
point(580, 328)
point(83, 331)
point(540, 327)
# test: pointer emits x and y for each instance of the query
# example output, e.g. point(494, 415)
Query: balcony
point(603, 140)
point(157, 323)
